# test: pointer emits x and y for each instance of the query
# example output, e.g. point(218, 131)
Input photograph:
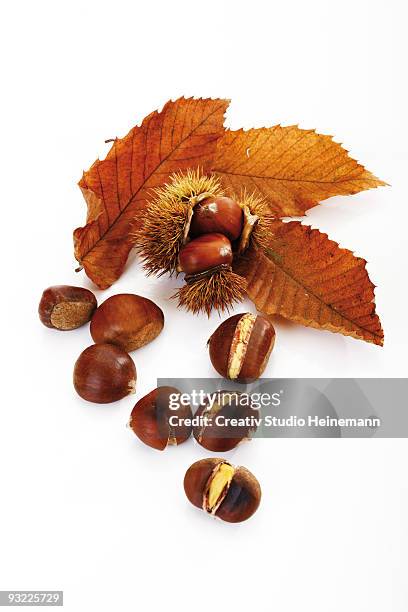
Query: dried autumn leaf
point(293, 169)
point(183, 135)
point(305, 277)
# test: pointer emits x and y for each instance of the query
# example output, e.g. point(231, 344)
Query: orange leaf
point(183, 135)
point(305, 277)
point(293, 169)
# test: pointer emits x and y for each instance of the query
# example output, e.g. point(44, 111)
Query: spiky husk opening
point(255, 206)
point(220, 290)
point(165, 230)
point(167, 220)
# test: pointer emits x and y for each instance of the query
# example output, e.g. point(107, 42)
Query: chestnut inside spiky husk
point(191, 226)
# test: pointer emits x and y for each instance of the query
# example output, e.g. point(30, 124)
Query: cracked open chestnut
point(240, 347)
point(230, 493)
point(159, 419)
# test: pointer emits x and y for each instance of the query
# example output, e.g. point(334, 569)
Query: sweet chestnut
point(104, 373)
point(231, 493)
point(240, 347)
point(127, 320)
point(217, 214)
point(205, 252)
point(151, 419)
point(65, 307)
point(225, 420)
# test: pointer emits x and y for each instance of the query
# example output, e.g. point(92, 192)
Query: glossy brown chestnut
point(240, 347)
point(217, 214)
point(127, 320)
point(224, 422)
point(159, 419)
point(231, 493)
point(205, 252)
point(64, 307)
point(104, 373)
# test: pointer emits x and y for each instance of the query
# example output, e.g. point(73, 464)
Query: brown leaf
point(305, 277)
point(183, 135)
point(293, 169)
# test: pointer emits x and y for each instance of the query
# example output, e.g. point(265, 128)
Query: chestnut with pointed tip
point(127, 320)
point(230, 493)
point(104, 373)
point(157, 422)
point(225, 421)
point(205, 252)
point(217, 214)
point(240, 347)
point(65, 307)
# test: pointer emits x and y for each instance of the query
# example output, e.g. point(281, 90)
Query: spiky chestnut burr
point(192, 206)
point(218, 288)
point(167, 220)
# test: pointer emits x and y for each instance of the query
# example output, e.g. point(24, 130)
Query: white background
point(84, 506)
